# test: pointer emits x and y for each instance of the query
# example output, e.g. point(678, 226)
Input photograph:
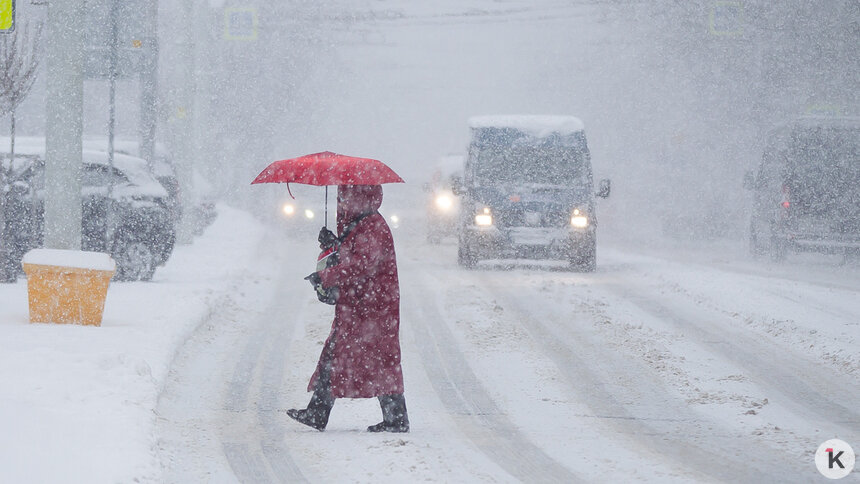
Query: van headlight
point(289, 209)
point(309, 214)
point(484, 218)
point(579, 219)
point(444, 202)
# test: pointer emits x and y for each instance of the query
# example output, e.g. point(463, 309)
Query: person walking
point(361, 356)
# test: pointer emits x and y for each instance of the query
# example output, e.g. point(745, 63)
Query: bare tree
point(19, 62)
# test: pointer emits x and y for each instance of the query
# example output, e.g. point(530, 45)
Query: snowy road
point(666, 368)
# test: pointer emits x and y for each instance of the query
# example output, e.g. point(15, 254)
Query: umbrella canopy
point(328, 168)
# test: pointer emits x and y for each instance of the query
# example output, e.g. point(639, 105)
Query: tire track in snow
point(469, 404)
point(267, 456)
point(674, 434)
point(807, 390)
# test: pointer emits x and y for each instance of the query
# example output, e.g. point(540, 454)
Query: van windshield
point(509, 155)
point(824, 169)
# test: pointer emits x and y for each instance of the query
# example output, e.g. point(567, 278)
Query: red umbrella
point(328, 168)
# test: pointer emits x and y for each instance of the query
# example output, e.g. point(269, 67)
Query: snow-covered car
point(125, 212)
point(806, 191)
point(162, 167)
point(442, 205)
point(528, 191)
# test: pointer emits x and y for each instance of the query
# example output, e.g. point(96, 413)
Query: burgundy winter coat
point(366, 360)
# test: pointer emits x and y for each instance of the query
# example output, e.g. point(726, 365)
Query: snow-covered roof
point(79, 259)
point(536, 125)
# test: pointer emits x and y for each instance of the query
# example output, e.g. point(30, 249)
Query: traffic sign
point(240, 23)
point(7, 16)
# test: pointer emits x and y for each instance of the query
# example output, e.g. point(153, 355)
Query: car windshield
point(824, 169)
point(509, 155)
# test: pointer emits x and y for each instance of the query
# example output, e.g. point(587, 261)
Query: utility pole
point(187, 96)
point(149, 80)
point(64, 48)
point(113, 60)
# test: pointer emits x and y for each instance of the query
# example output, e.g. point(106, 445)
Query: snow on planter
point(67, 286)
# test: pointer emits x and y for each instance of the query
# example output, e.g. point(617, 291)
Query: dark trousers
point(322, 400)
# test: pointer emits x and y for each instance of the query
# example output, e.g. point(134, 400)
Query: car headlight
point(309, 214)
point(289, 209)
point(579, 219)
point(484, 218)
point(444, 202)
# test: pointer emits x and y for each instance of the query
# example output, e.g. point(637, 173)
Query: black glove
point(326, 238)
point(314, 279)
point(326, 295)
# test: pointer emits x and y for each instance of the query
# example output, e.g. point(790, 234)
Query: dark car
point(162, 167)
point(528, 192)
point(806, 191)
point(125, 212)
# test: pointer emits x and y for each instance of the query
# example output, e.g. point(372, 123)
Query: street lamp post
point(64, 48)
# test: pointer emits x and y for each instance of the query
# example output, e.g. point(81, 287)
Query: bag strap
point(352, 225)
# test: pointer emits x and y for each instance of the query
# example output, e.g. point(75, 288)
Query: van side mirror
point(749, 180)
point(603, 188)
point(457, 186)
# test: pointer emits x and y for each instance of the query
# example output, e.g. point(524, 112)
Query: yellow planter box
point(67, 287)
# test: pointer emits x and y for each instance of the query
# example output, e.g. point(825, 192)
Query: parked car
point(527, 191)
point(162, 167)
point(125, 212)
point(806, 190)
point(442, 205)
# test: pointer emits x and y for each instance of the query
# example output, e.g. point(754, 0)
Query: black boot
point(318, 411)
point(394, 416)
point(322, 401)
point(309, 418)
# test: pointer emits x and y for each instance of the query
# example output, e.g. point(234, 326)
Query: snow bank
point(77, 403)
point(79, 259)
point(538, 126)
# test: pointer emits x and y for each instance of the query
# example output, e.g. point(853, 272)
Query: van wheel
point(466, 258)
point(584, 258)
point(135, 260)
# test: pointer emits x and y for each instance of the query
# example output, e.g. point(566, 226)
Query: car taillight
point(786, 203)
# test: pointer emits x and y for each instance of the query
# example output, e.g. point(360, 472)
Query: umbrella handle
point(291, 193)
point(326, 206)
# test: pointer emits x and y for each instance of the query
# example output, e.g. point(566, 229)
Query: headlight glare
point(444, 202)
point(484, 218)
point(579, 221)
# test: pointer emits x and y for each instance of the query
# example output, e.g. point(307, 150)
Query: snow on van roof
point(539, 126)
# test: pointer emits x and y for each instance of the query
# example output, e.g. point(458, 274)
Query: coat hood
point(354, 200)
